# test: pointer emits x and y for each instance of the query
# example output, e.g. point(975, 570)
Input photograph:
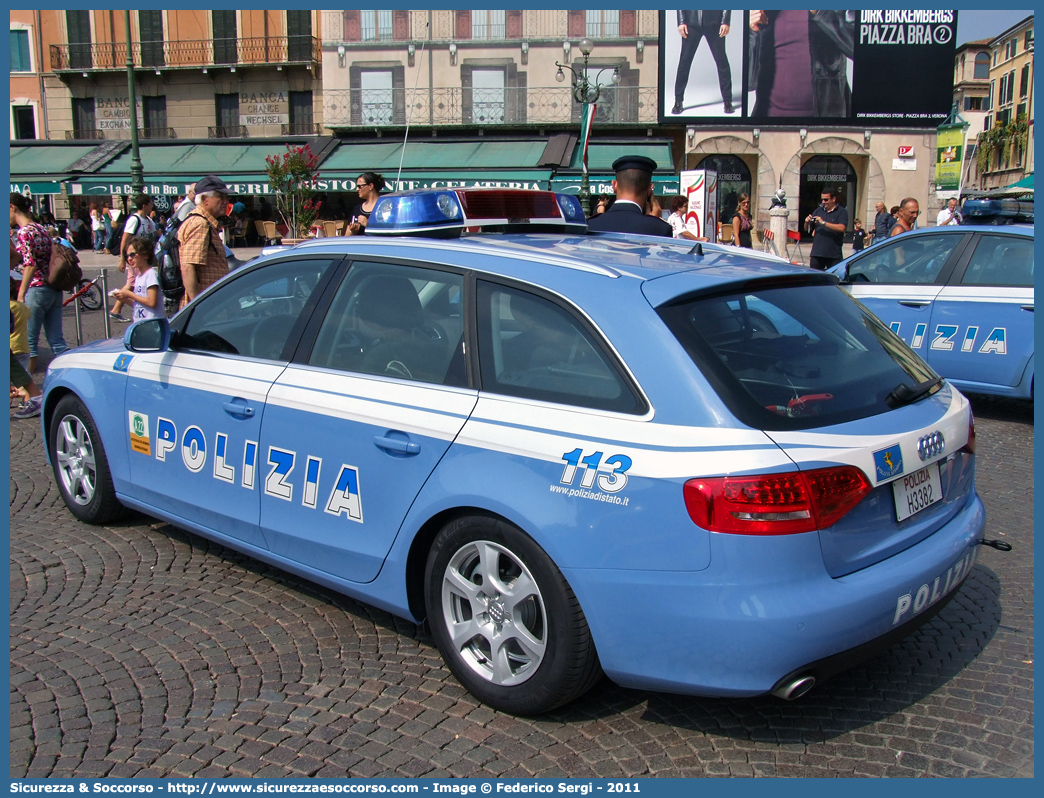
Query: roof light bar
point(446, 213)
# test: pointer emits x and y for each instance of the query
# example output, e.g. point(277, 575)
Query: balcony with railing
point(262, 51)
point(301, 129)
point(533, 25)
point(120, 134)
point(227, 132)
point(617, 105)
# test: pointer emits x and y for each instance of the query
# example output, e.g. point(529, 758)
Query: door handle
point(396, 445)
point(1028, 307)
point(915, 303)
point(238, 409)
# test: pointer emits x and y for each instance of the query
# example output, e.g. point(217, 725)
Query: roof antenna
point(409, 116)
point(697, 250)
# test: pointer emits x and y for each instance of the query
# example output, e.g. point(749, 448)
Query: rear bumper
point(766, 609)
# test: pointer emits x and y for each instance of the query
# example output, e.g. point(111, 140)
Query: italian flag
point(585, 135)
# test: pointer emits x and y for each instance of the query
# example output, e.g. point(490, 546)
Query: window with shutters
point(617, 103)
point(1024, 81)
point(154, 111)
point(78, 26)
point(226, 115)
point(378, 93)
point(488, 24)
point(21, 55)
point(301, 123)
point(376, 25)
point(150, 30)
point(602, 24)
point(378, 106)
point(493, 92)
point(298, 36)
point(225, 36)
point(488, 87)
point(84, 125)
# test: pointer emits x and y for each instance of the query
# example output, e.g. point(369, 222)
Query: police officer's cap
point(634, 162)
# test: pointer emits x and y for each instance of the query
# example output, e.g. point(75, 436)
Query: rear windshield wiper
point(903, 394)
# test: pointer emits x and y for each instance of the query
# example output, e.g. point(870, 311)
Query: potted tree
point(293, 178)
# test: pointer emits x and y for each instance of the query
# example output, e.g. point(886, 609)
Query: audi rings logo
point(931, 445)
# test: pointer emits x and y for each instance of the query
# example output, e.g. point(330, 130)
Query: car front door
point(982, 322)
point(354, 428)
point(195, 411)
point(900, 279)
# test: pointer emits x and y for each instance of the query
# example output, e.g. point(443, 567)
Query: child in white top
point(145, 298)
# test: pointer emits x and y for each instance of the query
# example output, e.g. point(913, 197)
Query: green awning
point(171, 168)
point(601, 154)
point(439, 164)
point(600, 157)
point(1026, 182)
point(42, 167)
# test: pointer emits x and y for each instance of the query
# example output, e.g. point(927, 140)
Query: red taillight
point(970, 445)
point(775, 504)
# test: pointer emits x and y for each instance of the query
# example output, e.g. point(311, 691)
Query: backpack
point(169, 261)
point(64, 272)
point(116, 236)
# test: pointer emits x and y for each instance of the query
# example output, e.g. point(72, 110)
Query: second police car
point(960, 296)
point(693, 468)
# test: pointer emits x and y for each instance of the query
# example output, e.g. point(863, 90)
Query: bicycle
point(88, 293)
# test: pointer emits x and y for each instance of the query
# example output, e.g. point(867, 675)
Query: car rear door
point(982, 320)
point(356, 425)
point(900, 279)
point(195, 411)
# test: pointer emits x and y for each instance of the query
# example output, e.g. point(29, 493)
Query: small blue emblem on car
point(122, 362)
point(888, 462)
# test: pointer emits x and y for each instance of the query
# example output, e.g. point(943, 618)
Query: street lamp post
point(137, 177)
point(585, 92)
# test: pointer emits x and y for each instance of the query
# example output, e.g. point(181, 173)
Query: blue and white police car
point(691, 467)
point(960, 296)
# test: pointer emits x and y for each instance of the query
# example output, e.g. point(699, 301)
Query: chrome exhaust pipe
point(794, 688)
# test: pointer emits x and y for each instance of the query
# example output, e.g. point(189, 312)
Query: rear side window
point(533, 348)
point(794, 357)
point(1001, 261)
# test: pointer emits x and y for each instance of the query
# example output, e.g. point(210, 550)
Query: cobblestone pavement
point(141, 650)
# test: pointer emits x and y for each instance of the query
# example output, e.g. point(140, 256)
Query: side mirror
point(151, 335)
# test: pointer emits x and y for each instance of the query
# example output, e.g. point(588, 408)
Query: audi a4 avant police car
point(960, 296)
point(694, 468)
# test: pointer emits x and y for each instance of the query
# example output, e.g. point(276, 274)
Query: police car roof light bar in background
point(449, 213)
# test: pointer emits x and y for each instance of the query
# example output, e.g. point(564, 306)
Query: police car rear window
point(794, 357)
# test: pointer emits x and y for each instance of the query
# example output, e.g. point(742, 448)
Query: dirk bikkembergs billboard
point(870, 67)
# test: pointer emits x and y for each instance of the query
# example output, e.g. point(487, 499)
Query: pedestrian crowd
point(168, 261)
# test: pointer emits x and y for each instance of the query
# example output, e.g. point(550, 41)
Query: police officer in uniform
point(632, 186)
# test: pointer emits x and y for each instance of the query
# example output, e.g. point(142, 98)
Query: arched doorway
point(733, 180)
point(826, 171)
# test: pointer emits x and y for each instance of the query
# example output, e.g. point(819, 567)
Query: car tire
point(81, 469)
point(505, 619)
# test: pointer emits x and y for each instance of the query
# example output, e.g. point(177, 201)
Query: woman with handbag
point(45, 303)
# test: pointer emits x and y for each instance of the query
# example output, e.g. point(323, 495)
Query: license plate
point(920, 489)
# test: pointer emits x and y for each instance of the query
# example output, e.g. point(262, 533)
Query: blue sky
point(975, 25)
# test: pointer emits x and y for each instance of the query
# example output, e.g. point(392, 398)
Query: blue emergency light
point(449, 213)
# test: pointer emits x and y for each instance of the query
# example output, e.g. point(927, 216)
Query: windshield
point(794, 357)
